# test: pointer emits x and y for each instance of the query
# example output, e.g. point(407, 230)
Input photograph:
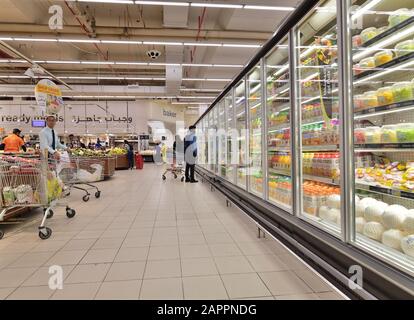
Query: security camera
point(153, 54)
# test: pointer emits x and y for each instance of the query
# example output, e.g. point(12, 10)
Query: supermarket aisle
point(149, 239)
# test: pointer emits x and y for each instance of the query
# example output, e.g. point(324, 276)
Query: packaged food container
point(356, 41)
point(359, 134)
point(404, 48)
point(368, 34)
point(367, 63)
point(357, 69)
point(399, 16)
point(405, 132)
point(358, 102)
point(385, 96)
point(372, 135)
point(403, 91)
point(383, 57)
point(370, 100)
point(389, 134)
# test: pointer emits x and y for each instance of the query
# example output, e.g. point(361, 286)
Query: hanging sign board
point(49, 97)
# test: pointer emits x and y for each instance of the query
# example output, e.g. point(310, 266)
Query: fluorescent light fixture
point(365, 8)
point(216, 5)
point(162, 43)
point(6, 39)
point(164, 3)
point(61, 62)
point(195, 97)
point(231, 45)
point(189, 103)
point(201, 90)
point(132, 63)
point(36, 39)
point(206, 79)
point(228, 65)
point(203, 44)
point(97, 62)
point(251, 7)
point(121, 42)
point(79, 40)
point(110, 1)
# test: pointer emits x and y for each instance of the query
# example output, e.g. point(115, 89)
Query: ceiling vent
point(153, 54)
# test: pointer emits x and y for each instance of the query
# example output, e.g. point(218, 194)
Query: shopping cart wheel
point(97, 194)
point(50, 213)
point(1, 234)
point(45, 233)
point(182, 179)
point(164, 177)
point(70, 213)
point(85, 198)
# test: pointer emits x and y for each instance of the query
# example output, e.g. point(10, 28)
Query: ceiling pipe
point(21, 55)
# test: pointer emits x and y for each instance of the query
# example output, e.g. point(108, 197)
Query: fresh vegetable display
point(117, 152)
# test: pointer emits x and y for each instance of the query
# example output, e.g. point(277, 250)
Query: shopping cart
point(80, 172)
point(31, 183)
point(176, 169)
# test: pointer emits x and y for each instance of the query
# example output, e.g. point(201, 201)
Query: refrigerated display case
point(383, 105)
point(318, 101)
point(325, 139)
point(278, 126)
point(222, 139)
point(254, 105)
point(231, 136)
point(241, 127)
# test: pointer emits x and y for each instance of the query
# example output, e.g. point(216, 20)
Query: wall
point(102, 116)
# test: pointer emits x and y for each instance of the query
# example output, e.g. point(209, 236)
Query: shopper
point(13, 142)
point(157, 156)
point(190, 154)
point(130, 154)
point(98, 144)
point(73, 142)
point(178, 149)
point(49, 138)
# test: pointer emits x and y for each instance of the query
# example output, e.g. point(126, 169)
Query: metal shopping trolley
point(31, 183)
point(80, 173)
point(176, 169)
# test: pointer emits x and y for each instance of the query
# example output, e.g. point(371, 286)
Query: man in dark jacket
point(190, 154)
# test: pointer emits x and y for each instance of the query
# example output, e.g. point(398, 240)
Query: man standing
point(14, 142)
point(49, 139)
point(190, 154)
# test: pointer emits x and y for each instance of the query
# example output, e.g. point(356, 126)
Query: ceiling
point(221, 39)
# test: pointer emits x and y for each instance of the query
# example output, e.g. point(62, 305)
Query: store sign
point(167, 113)
point(48, 96)
point(25, 118)
point(100, 119)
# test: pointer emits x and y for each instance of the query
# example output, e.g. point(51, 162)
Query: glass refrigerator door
point(254, 104)
point(222, 139)
point(318, 102)
point(211, 133)
point(241, 127)
point(383, 106)
point(278, 127)
point(231, 136)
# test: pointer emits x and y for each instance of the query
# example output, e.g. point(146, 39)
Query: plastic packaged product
point(334, 201)
point(407, 245)
point(399, 16)
point(359, 224)
point(368, 34)
point(358, 102)
point(367, 63)
point(408, 224)
point(373, 135)
point(383, 57)
point(370, 100)
point(356, 41)
point(405, 132)
point(373, 230)
point(24, 194)
point(404, 48)
point(385, 96)
point(394, 216)
point(392, 238)
point(375, 211)
point(359, 134)
point(8, 196)
point(403, 91)
point(357, 69)
point(389, 134)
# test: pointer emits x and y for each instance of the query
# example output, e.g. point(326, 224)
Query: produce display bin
point(121, 162)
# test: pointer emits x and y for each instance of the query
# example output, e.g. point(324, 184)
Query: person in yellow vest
point(13, 142)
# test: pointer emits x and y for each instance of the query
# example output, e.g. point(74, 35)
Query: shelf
point(321, 179)
point(278, 128)
point(389, 147)
point(280, 91)
point(361, 185)
point(280, 172)
point(328, 147)
point(278, 149)
point(390, 108)
point(384, 69)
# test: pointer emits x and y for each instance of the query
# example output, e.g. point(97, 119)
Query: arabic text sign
point(100, 119)
point(48, 96)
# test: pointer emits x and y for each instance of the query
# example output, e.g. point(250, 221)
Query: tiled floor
point(149, 239)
